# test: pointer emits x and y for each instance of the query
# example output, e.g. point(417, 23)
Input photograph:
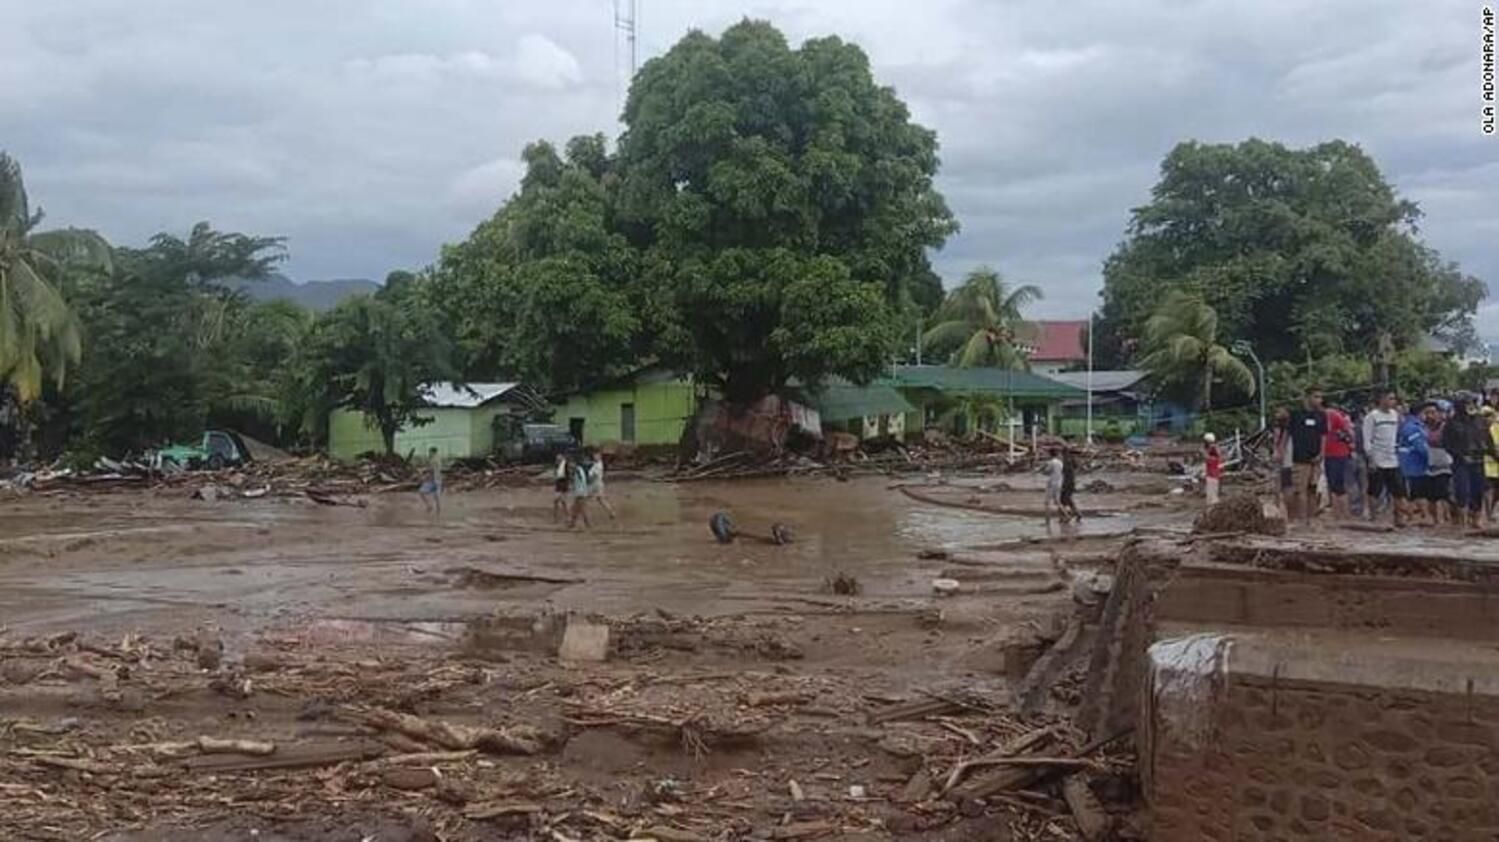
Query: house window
point(575, 427)
point(627, 422)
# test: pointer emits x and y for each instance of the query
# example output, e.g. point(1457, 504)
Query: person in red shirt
point(1335, 455)
point(1212, 460)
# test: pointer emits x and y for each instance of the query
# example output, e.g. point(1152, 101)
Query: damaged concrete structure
point(1281, 689)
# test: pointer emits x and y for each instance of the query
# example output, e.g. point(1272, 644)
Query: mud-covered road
point(140, 619)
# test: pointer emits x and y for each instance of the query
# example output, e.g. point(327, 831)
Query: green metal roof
point(842, 401)
point(1020, 384)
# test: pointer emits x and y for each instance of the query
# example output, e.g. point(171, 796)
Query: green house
point(878, 409)
point(462, 422)
point(964, 399)
point(650, 407)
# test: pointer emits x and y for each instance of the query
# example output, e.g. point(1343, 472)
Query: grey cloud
point(371, 131)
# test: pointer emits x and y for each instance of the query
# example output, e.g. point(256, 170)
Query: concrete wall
point(1289, 760)
point(661, 412)
point(456, 433)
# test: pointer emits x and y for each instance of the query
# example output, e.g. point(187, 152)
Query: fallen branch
point(458, 737)
point(420, 758)
point(1008, 751)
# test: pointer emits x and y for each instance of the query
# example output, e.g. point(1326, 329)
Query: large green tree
point(169, 348)
point(979, 322)
point(372, 356)
point(1182, 348)
point(545, 289)
point(1298, 250)
point(39, 332)
point(752, 172)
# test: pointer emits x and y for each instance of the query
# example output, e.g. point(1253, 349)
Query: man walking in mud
point(431, 488)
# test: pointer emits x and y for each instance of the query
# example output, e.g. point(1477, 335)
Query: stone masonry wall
point(1287, 761)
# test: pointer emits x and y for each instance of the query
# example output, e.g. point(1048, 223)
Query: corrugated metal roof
point(1020, 384)
point(468, 395)
point(1103, 381)
point(840, 402)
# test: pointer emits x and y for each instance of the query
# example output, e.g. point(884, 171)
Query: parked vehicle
point(536, 443)
point(218, 450)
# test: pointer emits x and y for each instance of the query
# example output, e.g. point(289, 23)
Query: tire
point(216, 462)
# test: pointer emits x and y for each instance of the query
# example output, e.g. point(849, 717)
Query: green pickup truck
point(218, 450)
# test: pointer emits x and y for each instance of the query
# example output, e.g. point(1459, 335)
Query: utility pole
point(1090, 379)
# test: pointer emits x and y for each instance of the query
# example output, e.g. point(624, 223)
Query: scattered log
point(496, 809)
point(773, 698)
point(421, 758)
point(913, 710)
point(1006, 752)
point(1092, 821)
point(75, 764)
point(456, 737)
point(257, 748)
point(288, 757)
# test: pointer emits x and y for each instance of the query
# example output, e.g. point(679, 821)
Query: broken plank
point(1092, 820)
point(913, 710)
point(496, 809)
point(288, 757)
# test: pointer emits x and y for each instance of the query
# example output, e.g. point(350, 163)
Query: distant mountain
point(314, 295)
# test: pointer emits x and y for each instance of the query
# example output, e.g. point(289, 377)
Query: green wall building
point(462, 424)
point(650, 407)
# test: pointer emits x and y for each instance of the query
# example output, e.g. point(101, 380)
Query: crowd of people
point(1430, 462)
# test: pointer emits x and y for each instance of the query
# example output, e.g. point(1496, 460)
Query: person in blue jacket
point(1412, 449)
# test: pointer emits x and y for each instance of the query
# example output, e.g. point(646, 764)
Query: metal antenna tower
point(626, 13)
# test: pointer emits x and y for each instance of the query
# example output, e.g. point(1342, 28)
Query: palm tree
point(980, 320)
point(39, 333)
point(1181, 346)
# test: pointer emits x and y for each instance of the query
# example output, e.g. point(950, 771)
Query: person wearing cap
point(1466, 437)
point(1212, 461)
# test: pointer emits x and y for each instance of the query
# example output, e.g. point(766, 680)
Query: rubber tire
point(216, 462)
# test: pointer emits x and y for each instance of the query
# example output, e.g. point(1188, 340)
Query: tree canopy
point(370, 355)
point(766, 216)
point(1298, 250)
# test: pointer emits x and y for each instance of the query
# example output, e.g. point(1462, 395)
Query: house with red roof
point(1054, 346)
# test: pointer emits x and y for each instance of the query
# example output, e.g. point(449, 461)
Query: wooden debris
point(425, 758)
point(496, 809)
point(76, 764)
point(804, 830)
point(287, 757)
point(774, 698)
point(1092, 821)
point(1005, 753)
point(210, 745)
point(913, 710)
point(458, 737)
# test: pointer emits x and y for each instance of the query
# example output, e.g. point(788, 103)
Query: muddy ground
point(398, 678)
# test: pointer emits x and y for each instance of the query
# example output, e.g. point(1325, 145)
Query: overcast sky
point(369, 132)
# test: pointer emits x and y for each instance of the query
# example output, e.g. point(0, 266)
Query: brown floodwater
point(141, 559)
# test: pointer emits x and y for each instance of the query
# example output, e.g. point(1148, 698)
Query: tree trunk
point(388, 433)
